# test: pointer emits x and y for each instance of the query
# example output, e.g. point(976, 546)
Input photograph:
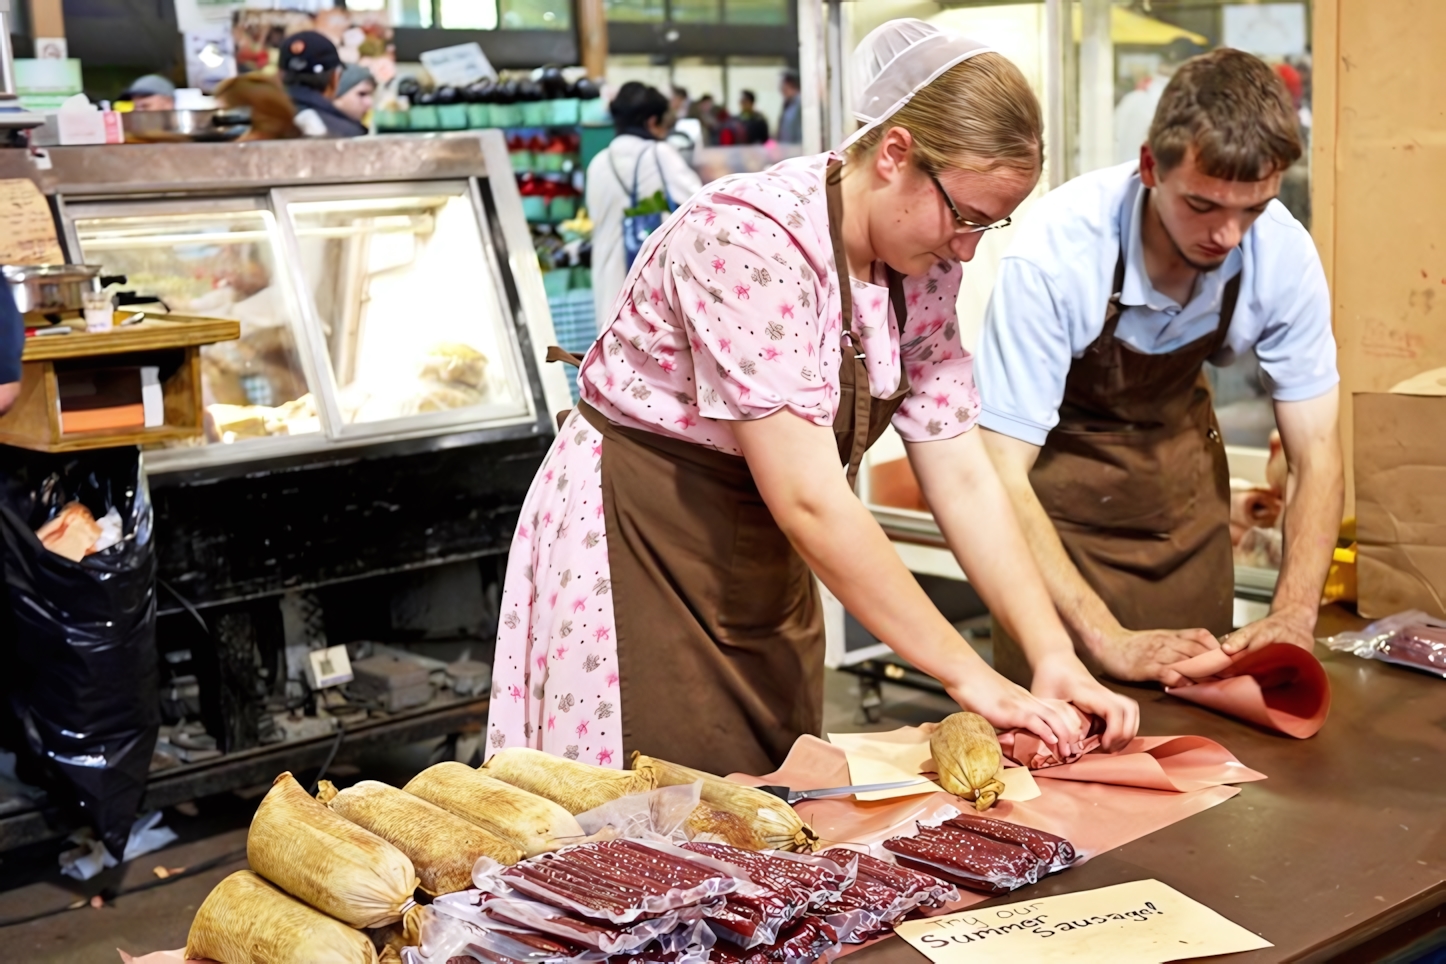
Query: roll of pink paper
point(1279, 687)
point(1179, 763)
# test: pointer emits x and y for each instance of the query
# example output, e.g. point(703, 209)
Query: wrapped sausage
point(576, 787)
point(246, 920)
point(966, 858)
point(1057, 852)
point(326, 860)
point(442, 846)
point(531, 823)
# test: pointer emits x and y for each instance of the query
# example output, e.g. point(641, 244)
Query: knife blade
point(795, 796)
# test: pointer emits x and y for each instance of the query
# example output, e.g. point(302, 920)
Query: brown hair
point(978, 115)
point(1234, 110)
point(273, 115)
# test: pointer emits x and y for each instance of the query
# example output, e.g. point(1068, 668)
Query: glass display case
point(220, 263)
point(404, 331)
point(386, 287)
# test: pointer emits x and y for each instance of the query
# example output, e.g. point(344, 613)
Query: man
point(151, 92)
point(755, 125)
point(790, 118)
point(1097, 413)
point(311, 71)
point(354, 93)
point(12, 346)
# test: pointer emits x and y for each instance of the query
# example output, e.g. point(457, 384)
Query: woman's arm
point(796, 466)
point(977, 518)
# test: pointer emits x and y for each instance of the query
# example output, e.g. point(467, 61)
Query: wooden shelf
point(153, 334)
point(173, 343)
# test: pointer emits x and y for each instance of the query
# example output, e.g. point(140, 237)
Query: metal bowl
point(51, 288)
point(226, 123)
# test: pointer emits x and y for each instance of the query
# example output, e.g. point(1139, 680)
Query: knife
point(795, 796)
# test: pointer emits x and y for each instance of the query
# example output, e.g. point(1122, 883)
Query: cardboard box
point(1400, 466)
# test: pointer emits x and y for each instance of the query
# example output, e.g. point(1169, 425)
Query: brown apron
point(718, 623)
point(1135, 478)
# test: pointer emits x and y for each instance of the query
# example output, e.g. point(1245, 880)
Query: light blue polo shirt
point(1048, 303)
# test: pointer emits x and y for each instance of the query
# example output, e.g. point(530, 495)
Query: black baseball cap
point(309, 52)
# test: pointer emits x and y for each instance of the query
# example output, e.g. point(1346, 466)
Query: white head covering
point(896, 61)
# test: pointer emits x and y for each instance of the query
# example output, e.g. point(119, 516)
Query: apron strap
point(555, 354)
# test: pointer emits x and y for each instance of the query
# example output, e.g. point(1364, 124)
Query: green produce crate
point(423, 117)
point(452, 117)
point(479, 115)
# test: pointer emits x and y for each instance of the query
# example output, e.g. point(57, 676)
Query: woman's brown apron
point(1135, 478)
point(718, 622)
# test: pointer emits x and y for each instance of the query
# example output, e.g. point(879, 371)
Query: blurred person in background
point(1136, 109)
point(354, 93)
point(638, 155)
point(273, 115)
point(678, 102)
point(755, 125)
point(311, 70)
point(151, 92)
point(790, 119)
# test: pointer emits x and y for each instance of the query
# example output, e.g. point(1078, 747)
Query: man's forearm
point(1081, 608)
point(1310, 528)
point(1315, 497)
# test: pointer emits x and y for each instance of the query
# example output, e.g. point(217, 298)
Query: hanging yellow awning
point(1136, 29)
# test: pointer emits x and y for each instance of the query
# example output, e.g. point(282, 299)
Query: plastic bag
point(326, 860)
point(966, 858)
point(444, 937)
point(785, 887)
point(82, 666)
point(661, 878)
point(555, 922)
point(882, 894)
point(245, 920)
point(1412, 638)
point(663, 813)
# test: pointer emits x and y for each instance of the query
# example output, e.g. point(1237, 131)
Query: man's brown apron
point(1136, 481)
point(719, 626)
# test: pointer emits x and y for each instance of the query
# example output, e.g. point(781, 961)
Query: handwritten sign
point(458, 66)
point(1144, 922)
point(27, 232)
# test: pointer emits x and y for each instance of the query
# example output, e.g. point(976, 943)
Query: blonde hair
point(978, 115)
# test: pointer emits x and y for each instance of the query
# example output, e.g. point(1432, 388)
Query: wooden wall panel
point(1379, 188)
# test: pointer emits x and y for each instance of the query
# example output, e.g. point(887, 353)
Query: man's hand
point(8, 393)
point(1149, 655)
point(1278, 627)
point(1066, 678)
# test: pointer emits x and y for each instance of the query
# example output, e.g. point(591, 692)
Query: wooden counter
point(172, 343)
point(1344, 844)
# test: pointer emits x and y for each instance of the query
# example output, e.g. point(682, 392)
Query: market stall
point(383, 408)
point(1231, 821)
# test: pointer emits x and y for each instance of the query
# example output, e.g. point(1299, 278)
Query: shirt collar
point(1138, 291)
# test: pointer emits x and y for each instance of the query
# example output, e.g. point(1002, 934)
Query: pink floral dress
point(732, 311)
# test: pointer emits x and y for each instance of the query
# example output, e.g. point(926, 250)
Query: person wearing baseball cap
point(151, 92)
point(311, 70)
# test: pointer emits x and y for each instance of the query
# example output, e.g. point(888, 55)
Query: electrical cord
point(191, 871)
point(330, 757)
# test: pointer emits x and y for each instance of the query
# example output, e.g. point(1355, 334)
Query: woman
point(637, 153)
point(659, 596)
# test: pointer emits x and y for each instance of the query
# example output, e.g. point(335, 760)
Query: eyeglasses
point(966, 226)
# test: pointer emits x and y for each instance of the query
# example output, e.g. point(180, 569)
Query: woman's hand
point(1009, 706)
point(1064, 677)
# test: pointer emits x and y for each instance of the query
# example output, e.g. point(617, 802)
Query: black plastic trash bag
point(83, 684)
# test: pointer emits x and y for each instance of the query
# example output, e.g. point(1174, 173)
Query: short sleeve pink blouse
point(735, 314)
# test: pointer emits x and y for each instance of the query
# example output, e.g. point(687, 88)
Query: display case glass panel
point(217, 259)
point(405, 306)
